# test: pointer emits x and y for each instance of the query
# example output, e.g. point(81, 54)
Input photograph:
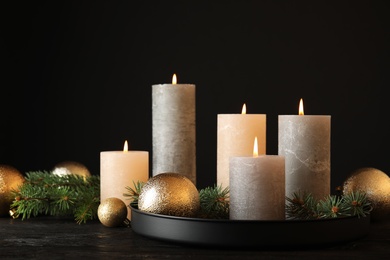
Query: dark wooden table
point(60, 238)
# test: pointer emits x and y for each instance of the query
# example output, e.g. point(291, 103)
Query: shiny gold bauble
point(112, 212)
point(169, 194)
point(71, 167)
point(376, 185)
point(10, 179)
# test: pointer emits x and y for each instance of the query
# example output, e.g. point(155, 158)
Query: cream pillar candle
point(173, 129)
point(257, 187)
point(119, 169)
point(235, 135)
point(304, 140)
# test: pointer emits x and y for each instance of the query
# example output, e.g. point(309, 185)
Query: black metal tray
point(248, 233)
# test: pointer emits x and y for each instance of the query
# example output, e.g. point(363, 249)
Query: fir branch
point(49, 194)
point(331, 207)
point(87, 211)
point(214, 202)
point(304, 206)
point(357, 204)
point(134, 193)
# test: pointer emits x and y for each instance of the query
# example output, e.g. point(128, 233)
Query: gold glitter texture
point(169, 194)
point(10, 179)
point(376, 184)
point(112, 212)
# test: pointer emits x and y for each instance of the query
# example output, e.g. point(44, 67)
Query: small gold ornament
point(169, 194)
point(376, 185)
point(10, 179)
point(112, 212)
point(71, 167)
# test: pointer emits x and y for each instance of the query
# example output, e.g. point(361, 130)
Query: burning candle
point(235, 134)
point(121, 169)
point(257, 187)
point(304, 140)
point(174, 129)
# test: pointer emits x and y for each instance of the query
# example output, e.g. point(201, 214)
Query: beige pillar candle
point(118, 170)
point(257, 187)
point(235, 135)
point(304, 140)
point(174, 129)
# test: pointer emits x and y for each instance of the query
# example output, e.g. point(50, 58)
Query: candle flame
point(301, 107)
point(255, 148)
point(174, 79)
point(125, 147)
point(243, 111)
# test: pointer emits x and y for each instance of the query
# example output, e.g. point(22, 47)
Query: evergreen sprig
point(305, 206)
point(302, 206)
point(44, 193)
point(134, 193)
point(357, 203)
point(214, 202)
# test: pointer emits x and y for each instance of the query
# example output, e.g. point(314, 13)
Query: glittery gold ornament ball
point(112, 212)
point(169, 194)
point(71, 167)
point(376, 185)
point(10, 179)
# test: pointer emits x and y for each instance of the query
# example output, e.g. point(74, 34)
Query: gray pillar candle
point(173, 127)
point(257, 188)
point(304, 140)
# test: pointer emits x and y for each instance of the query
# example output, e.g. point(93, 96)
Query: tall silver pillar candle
point(257, 188)
point(304, 140)
point(174, 129)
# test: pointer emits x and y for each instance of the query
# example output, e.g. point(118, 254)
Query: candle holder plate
point(249, 233)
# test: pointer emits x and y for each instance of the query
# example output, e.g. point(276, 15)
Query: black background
point(77, 75)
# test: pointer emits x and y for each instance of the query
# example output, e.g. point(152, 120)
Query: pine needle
point(214, 202)
point(304, 206)
point(134, 193)
point(44, 193)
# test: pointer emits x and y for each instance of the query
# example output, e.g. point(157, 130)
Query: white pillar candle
point(174, 129)
point(121, 169)
point(257, 187)
point(235, 135)
point(304, 140)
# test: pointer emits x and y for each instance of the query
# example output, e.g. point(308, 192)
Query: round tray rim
point(249, 233)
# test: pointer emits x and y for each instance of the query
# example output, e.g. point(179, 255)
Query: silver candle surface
point(257, 188)
point(304, 140)
point(174, 129)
